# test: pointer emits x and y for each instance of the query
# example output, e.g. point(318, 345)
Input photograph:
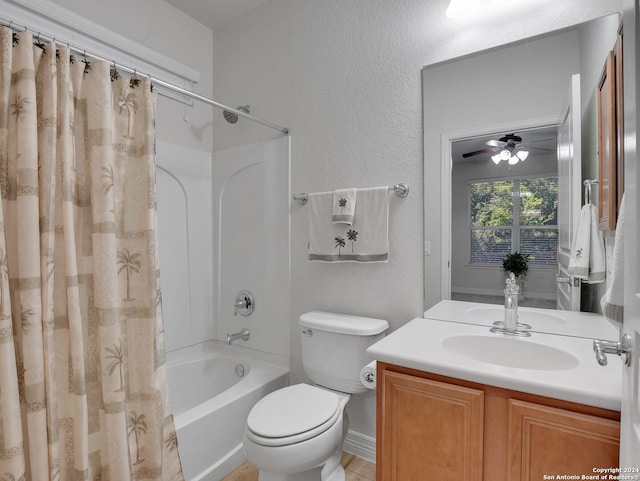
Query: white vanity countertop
point(421, 344)
point(566, 323)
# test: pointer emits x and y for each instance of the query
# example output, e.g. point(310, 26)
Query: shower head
point(231, 117)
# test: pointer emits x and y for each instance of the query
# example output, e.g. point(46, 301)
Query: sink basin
point(508, 352)
point(536, 319)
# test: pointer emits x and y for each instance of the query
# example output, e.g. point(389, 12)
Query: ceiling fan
point(508, 148)
point(509, 142)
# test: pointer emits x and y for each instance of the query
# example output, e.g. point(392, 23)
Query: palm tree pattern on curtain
point(82, 374)
point(129, 263)
point(137, 425)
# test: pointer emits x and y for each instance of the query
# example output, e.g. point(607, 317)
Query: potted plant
point(518, 264)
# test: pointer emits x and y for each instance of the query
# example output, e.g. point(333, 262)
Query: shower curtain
point(82, 375)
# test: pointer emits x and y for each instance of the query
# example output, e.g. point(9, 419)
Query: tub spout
point(244, 334)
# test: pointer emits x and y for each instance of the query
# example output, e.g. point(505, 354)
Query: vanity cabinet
point(432, 427)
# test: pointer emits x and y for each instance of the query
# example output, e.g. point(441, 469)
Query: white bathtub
point(212, 388)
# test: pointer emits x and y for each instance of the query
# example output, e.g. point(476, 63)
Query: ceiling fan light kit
point(510, 157)
point(513, 160)
point(507, 148)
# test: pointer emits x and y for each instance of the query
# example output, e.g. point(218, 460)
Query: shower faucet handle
point(244, 304)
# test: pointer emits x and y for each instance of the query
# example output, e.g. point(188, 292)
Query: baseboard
point(360, 445)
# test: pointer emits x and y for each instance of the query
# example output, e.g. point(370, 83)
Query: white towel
point(587, 259)
point(366, 240)
point(612, 302)
point(344, 206)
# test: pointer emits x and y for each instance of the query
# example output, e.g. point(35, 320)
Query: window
point(514, 215)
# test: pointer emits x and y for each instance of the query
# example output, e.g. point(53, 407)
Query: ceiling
point(215, 13)
point(541, 138)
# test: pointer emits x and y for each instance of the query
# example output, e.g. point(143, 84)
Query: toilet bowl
point(293, 433)
point(296, 433)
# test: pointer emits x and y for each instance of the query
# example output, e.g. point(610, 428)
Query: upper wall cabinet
point(610, 139)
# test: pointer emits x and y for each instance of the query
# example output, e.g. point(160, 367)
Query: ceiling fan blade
point(532, 141)
point(496, 143)
point(478, 152)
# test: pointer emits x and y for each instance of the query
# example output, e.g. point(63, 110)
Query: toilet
point(296, 433)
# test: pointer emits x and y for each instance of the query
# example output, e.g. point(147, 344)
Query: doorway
point(503, 199)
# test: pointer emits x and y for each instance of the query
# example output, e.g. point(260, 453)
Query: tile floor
point(356, 469)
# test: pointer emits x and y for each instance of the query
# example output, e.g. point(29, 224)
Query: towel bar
point(587, 189)
point(401, 190)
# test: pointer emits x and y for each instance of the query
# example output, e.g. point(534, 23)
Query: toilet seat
point(292, 415)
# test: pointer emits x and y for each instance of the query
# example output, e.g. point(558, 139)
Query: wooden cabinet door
point(607, 146)
point(428, 430)
point(618, 57)
point(549, 441)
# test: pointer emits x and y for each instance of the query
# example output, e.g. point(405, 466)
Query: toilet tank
point(334, 348)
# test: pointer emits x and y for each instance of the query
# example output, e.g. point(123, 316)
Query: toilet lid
point(292, 410)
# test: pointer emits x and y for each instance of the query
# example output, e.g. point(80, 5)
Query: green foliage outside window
point(539, 201)
point(501, 209)
point(492, 203)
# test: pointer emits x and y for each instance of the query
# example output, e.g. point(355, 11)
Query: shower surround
point(224, 228)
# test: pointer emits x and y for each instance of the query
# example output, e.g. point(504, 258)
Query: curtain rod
point(40, 36)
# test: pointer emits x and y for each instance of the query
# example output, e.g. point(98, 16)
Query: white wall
point(489, 280)
point(314, 66)
point(345, 77)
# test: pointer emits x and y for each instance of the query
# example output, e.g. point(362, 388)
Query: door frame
point(446, 139)
point(629, 436)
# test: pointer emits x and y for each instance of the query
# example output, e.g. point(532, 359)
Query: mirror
point(516, 89)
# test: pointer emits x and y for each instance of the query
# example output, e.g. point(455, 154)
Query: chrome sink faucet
point(620, 348)
point(510, 326)
point(244, 334)
point(511, 305)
